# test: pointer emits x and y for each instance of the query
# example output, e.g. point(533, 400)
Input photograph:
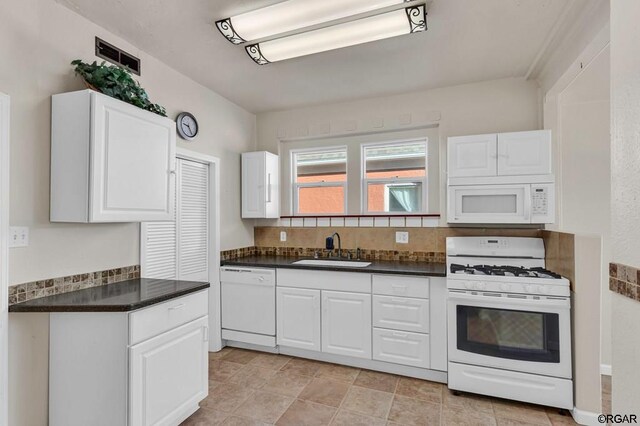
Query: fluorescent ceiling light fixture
point(293, 15)
point(386, 25)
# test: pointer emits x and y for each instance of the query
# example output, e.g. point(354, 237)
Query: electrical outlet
point(283, 235)
point(402, 237)
point(18, 236)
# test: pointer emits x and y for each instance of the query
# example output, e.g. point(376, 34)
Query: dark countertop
point(123, 296)
point(377, 266)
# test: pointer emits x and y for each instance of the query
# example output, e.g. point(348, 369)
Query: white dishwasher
point(249, 305)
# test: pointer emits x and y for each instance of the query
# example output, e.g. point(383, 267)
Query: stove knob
point(543, 289)
point(480, 286)
point(505, 286)
point(528, 288)
point(468, 285)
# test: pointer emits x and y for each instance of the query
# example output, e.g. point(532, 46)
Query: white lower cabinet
point(138, 368)
point(392, 319)
point(401, 347)
point(298, 324)
point(346, 323)
point(168, 374)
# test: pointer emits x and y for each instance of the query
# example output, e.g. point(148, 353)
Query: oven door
point(510, 332)
point(489, 204)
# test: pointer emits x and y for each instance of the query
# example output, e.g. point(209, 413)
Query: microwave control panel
point(542, 203)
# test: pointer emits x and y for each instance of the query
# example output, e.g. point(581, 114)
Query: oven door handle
point(505, 302)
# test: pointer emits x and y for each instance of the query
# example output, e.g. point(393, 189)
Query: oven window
point(504, 333)
point(507, 203)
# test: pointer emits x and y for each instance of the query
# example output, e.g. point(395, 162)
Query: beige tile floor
point(254, 388)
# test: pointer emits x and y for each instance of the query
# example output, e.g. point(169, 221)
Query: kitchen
point(296, 106)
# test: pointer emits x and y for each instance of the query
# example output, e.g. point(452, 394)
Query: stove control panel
point(560, 287)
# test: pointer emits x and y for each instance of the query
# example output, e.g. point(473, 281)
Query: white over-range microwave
point(504, 200)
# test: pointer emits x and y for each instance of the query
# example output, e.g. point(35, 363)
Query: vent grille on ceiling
point(117, 56)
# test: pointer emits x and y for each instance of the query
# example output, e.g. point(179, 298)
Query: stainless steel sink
point(330, 262)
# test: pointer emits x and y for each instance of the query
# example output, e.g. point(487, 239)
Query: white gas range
point(509, 321)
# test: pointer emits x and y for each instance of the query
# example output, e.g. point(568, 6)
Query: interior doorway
point(188, 247)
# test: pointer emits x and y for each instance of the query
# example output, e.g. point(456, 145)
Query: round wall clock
point(187, 126)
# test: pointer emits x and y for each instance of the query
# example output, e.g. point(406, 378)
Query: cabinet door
point(524, 153)
point(132, 163)
point(253, 185)
point(298, 324)
point(168, 375)
point(346, 324)
point(272, 208)
point(472, 156)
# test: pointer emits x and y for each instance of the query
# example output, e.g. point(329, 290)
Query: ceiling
point(467, 41)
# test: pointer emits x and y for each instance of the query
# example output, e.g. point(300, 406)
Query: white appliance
point(509, 322)
point(249, 305)
point(501, 178)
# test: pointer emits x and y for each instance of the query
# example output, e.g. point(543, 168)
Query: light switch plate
point(402, 237)
point(18, 236)
point(283, 235)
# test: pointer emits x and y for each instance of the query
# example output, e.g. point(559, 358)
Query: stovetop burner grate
point(510, 271)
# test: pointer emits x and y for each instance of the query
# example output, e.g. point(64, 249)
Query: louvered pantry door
point(179, 249)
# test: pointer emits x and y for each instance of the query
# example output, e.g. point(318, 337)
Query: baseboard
point(605, 369)
point(585, 417)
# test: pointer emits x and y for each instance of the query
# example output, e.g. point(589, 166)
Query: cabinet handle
point(268, 187)
point(206, 333)
point(396, 334)
point(173, 308)
point(172, 172)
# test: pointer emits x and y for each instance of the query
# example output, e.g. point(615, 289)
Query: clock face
point(187, 126)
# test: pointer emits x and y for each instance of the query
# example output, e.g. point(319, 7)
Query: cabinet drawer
point(399, 285)
point(401, 347)
point(157, 319)
point(240, 275)
point(401, 313)
point(356, 282)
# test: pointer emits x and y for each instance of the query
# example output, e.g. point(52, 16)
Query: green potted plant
point(116, 82)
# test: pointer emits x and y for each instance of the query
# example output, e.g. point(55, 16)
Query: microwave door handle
point(527, 203)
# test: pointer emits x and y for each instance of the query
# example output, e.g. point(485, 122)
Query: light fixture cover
point(386, 25)
point(293, 15)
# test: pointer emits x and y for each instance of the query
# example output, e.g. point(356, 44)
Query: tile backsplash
point(421, 240)
point(36, 289)
point(624, 280)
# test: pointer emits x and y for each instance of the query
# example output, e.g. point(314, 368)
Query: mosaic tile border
point(37, 289)
point(625, 280)
point(391, 255)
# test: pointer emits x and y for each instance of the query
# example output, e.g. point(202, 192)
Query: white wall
point(492, 106)
point(38, 40)
point(625, 192)
point(584, 180)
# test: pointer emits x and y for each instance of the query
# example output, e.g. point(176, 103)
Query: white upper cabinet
point(260, 185)
point(110, 161)
point(524, 153)
point(503, 154)
point(472, 155)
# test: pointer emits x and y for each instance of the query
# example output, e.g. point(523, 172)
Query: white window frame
point(364, 202)
point(295, 186)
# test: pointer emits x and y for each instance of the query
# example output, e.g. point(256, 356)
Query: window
point(395, 177)
point(320, 181)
